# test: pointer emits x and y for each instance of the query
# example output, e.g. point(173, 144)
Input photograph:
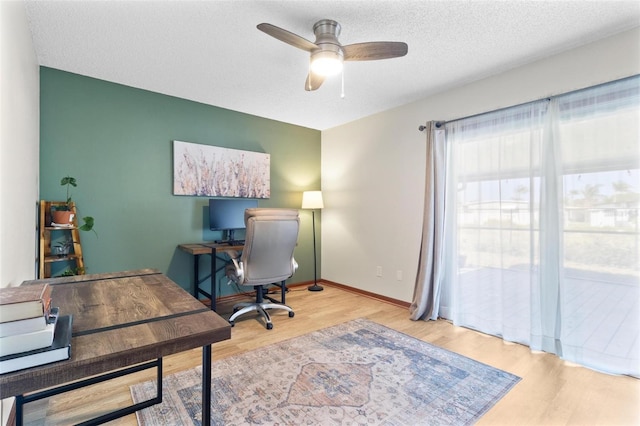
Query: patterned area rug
point(356, 373)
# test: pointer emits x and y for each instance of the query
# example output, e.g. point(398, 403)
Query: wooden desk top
point(120, 319)
point(206, 248)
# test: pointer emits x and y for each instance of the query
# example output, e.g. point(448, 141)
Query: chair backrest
point(271, 237)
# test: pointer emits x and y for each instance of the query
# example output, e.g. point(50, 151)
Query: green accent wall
point(117, 142)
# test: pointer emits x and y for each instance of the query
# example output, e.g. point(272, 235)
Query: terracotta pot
point(62, 217)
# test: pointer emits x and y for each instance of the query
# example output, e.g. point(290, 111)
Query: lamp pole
point(313, 200)
point(315, 286)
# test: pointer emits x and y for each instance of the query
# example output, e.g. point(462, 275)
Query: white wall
point(19, 150)
point(19, 145)
point(373, 168)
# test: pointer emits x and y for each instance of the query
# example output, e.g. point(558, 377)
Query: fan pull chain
point(342, 93)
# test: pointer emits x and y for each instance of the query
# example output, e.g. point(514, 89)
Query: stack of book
point(31, 331)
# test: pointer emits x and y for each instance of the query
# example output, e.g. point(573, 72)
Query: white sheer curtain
point(542, 242)
point(493, 195)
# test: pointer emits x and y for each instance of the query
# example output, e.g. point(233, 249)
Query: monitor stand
point(231, 240)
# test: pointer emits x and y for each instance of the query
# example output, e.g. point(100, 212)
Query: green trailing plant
point(71, 272)
point(88, 225)
point(70, 181)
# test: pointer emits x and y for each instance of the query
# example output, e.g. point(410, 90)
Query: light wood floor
point(550, 392)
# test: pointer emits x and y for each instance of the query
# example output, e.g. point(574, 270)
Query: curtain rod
point(548, 98)
point(439, 124)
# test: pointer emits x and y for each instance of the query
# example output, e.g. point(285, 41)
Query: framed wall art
point(212, 171)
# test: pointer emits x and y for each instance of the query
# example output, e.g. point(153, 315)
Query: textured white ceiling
point(211, 51)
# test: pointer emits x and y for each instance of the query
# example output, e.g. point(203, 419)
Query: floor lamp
point(313, 200)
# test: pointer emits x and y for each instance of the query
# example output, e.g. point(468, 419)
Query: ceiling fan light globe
point(326, 66)
point(326, 63)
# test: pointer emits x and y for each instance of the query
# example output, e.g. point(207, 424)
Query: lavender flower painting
point(212, 171)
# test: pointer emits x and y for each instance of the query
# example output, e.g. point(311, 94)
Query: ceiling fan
point(327, 54)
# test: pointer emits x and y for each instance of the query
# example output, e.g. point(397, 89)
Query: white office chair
point(267, 258)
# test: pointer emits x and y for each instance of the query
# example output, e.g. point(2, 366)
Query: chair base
point(261, 308)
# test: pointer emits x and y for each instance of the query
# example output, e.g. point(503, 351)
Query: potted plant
point(63, 248)
point(62, 215)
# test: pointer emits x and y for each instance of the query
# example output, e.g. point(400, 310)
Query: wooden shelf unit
point(45, 256)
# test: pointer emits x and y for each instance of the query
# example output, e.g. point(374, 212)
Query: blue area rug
point(358, 373)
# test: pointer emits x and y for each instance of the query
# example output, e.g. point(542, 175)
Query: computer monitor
point(228, 214)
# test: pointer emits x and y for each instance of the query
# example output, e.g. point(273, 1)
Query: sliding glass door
point(542, 225)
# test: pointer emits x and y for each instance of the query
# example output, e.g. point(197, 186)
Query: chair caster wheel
point(232, 323)
point(269, 326)
point(291, 314)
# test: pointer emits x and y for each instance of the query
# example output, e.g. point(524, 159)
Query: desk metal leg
point(214, 265)
point(21, 400)
point(206, 385)
point(197, 280)
point(19, 410)
point(196, 275)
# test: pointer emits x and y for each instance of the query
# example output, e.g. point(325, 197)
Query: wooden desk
point(209, 249)
point(121, 319)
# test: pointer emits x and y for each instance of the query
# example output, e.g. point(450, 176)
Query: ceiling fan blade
point(287, 36)
point(314, 81)
point(374, 50)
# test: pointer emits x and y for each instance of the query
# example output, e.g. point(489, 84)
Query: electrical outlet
point(378, 271)
point(399, 275)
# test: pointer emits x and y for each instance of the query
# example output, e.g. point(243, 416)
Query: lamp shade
point(312, 200)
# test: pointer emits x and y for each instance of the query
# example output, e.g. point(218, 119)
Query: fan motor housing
point(327, 32)
point(327, 26)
